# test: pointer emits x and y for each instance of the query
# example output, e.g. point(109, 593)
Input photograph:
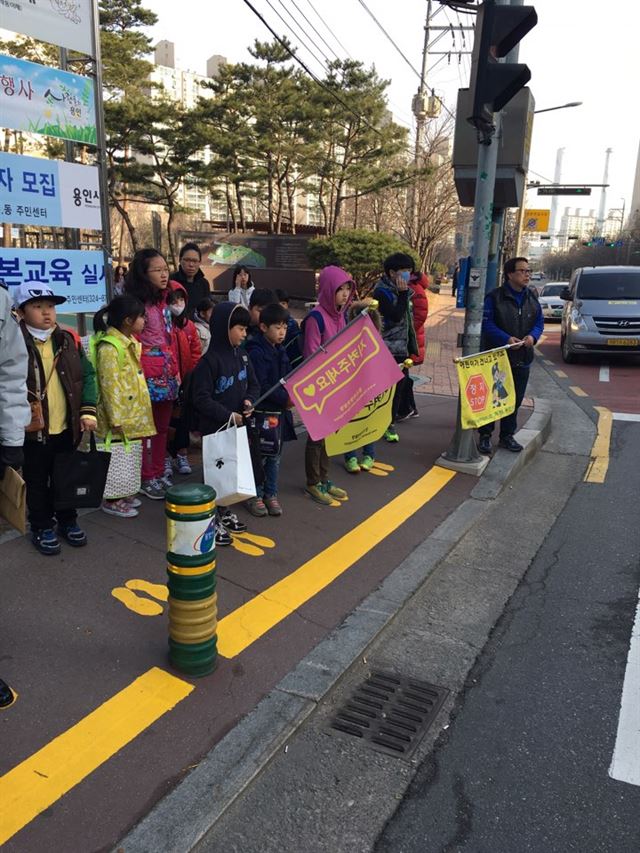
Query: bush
point(360, 253)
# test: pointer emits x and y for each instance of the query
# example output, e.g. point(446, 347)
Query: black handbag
point(79, 477)
point(269, 425)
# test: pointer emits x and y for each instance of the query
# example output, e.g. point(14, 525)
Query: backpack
point(103, 337)
point(317, 316)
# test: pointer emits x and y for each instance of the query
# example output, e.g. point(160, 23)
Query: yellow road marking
point(578, 391)
point(252, 620)
point(561, 374)
point(543, 338)
point(157, 590)
point(383, 466)
point(599, 462)
point(139, 605)
point(37, 782)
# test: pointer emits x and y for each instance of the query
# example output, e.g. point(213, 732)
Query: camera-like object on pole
point(493, 84)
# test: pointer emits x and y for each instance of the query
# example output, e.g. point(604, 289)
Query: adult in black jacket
point(191, 277)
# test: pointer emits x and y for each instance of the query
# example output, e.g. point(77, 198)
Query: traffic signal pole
point(490, 93)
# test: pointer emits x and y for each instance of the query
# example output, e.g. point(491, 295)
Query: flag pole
point(323, 347)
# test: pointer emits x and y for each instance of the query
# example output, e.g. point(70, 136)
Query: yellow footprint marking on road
point(381, 469)
point(138, 604)
point(251, 544)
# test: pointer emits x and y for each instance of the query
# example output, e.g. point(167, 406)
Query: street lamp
point(561, 107)
point(524, 191)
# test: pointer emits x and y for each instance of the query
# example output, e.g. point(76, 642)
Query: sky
point(579, 51)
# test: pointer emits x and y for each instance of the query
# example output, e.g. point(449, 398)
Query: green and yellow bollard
point(191, 567)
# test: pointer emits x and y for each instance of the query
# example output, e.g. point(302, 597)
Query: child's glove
point(10, 457)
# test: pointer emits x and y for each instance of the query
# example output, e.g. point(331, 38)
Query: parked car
point(551, 300)
point(601, 312)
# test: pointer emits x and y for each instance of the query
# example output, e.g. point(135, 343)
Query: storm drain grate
point(390, 712)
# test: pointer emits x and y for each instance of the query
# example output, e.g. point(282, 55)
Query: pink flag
point(342, 377)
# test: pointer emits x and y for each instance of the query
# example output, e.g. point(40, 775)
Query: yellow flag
point(486, 388)
point(366, 427)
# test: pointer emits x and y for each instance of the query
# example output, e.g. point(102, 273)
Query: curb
point(184, 816)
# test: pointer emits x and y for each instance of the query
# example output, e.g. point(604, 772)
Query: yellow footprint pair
point(142, 606)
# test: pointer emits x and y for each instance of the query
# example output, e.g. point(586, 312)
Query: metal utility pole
point(603, 194)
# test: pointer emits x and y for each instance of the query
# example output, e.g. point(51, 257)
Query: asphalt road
point(524, 765)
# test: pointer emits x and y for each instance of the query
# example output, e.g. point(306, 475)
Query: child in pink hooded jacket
point(335, 292)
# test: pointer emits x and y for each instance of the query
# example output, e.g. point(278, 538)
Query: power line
point(320, 36)
point(297, 59)
point(328, 28)
point(288, 26)
point(415, 71)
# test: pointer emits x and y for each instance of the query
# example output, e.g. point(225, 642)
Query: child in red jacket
point(187, 351)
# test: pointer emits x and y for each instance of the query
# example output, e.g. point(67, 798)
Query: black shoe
point(509, 443)
point(73, 534)
point(46, 542)
point(6, 694)
point(232, 523)
point(484, 445)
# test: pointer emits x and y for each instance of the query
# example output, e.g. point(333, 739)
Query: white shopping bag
point(227, 464)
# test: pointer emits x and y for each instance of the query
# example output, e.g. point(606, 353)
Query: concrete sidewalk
point(278, 781)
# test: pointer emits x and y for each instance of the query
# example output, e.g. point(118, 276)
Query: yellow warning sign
point(536, 220)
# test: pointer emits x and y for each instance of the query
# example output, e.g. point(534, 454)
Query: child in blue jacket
point(273, 416)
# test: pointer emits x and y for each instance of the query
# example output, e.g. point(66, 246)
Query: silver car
point(550, 299)
point(601, 314)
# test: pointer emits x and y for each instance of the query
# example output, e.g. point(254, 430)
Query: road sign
point(536, 220)
point(476, 392)
point(564, 190)
point(476, 276)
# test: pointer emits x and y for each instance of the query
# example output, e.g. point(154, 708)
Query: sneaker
point(400, 418)
point(484, 445)
point(182, 464)
point(121, 508)
point(230, 521)
point(168, 468)
point(414, 414)
point(256, 507)
point(166, 482)
point(509, 443)
point(73, 534)
point(133, 501)
point(367, 463)
point(223, 537)
point(318, 494)
point(352, 465)
point(46, 542)
point(391, 435)
point(153, 489)
point(334, 491)
point(273, 505)
point(6, 694)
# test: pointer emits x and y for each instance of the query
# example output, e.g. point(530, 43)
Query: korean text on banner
point(67, 24)
point(346, 374)
point(76, 275)
point(366, 427)
point(48, 101)
point(486, 388)
point(36, 191)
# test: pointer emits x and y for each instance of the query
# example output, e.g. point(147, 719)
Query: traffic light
point(493, 84)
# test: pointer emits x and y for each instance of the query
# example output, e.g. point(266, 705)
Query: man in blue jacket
point(512, 315)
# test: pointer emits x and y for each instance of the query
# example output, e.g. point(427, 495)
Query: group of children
point(157, 374)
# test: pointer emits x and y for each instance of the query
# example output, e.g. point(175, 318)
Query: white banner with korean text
point(35, 191)
point(67, 23)
point(78, 275)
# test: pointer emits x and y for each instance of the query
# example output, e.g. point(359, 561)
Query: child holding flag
point(335, 292)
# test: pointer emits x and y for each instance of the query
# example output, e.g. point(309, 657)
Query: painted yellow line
point(561, 374)
point(578, 391)
point(599, 462)
point(252, 620)
point(543, 338)
point(48, 774)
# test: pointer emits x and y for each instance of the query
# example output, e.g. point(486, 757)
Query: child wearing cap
point(62, 380)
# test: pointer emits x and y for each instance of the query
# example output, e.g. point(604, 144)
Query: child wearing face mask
point(187, 350)
point(61, 387)
point(394, 304)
